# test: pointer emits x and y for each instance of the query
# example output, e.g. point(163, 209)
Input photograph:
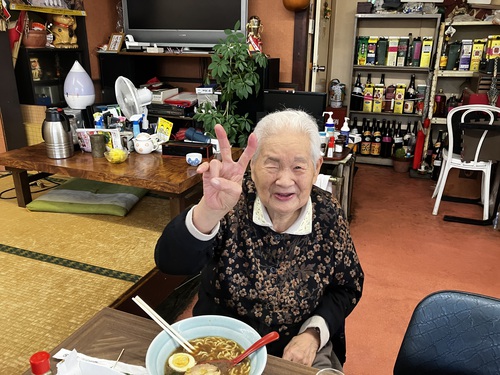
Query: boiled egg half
point(181, 362)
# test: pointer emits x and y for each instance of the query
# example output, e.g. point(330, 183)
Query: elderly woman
point(274, 250)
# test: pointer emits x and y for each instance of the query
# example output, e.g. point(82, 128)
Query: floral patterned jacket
point(269, 280)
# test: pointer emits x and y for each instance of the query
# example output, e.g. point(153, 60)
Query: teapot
point(145, 143)
point(57, 134)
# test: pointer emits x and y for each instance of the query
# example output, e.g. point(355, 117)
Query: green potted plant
point(401, 160)
point(234, 70)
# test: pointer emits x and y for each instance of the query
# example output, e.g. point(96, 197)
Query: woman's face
point(284, 174)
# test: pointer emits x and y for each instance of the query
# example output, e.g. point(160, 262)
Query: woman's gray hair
point(289, 120)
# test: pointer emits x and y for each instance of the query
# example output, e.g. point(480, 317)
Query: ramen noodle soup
point(211, 348)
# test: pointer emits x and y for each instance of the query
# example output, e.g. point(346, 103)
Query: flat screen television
point(313, 103)
point(184, 23)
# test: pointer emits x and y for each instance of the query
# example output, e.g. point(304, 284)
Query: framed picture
point(115, 42)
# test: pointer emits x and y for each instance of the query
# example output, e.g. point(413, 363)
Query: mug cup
point(193, 158)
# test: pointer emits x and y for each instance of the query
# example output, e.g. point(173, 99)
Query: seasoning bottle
point(440, 104)
point(40, 363)
point(331, 147)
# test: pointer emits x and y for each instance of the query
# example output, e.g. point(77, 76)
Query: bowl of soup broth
point(214, 337)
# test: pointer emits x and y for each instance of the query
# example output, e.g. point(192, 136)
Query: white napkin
point(323, 182)
point(75, 363)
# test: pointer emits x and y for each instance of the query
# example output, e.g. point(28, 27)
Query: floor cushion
point(81, 196)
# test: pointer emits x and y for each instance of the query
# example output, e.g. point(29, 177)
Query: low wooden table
point(169, 175)
point(109, 331)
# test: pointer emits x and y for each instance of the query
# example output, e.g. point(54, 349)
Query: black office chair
point(452, 332)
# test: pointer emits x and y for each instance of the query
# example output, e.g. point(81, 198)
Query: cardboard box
point(425, 57)
point(399, 98)
point(378, 98)
point(160, 95)
point(392, 51)
point(372, 50)
point(463, 184)
point(368, 98)
point(362, 50)
point(465, 54)
point(477, 54)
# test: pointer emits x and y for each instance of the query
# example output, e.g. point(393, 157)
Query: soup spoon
point(224, 365)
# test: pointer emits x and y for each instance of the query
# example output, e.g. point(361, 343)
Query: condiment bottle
point(440, 104)
point(331, 146)
point(40, 363)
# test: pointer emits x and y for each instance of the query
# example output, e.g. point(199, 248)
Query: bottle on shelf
point(436, 168)
point(355, 131)
point(398, 138)
point(410, 97)
point(440, 104)
point(376, 141)
point(451, 103)
point(345, 130)
point(437, 146)
point(443, 59)
point(386, 146)
point(366, 140)
point(357, 95)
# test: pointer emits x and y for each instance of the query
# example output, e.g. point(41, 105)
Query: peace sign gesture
point(222, 180)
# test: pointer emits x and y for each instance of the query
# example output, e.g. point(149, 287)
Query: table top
point(169, 174)
point(109, 331)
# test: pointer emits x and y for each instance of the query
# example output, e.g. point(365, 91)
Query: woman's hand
point(303, 348)
point(221, 182)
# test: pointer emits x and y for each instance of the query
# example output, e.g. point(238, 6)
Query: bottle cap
point(40, 363)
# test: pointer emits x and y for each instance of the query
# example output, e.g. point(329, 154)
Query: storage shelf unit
point(398, 25)
point(453, 81)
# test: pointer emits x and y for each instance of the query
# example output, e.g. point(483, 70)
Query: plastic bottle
point(331, 147)
point(329, 124)
point(344, 130)
point(40, 363)
point(136, 129)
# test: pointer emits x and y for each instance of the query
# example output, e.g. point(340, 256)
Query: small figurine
point(36, 70)
point(254, 28)
point(63, 28)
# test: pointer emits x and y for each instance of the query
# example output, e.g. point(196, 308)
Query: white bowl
point(193, 158)
point(200, 326)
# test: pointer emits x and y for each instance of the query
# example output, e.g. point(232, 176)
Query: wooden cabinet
point(397, 26)
point(40, 74)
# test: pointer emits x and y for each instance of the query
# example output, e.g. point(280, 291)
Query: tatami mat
point(58, 270)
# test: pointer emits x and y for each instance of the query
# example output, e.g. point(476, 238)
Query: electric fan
point(132, 101)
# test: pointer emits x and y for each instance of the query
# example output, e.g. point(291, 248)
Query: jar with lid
point(40, 363)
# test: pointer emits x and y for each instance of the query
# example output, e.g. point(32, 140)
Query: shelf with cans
point(463, 72)
point(391, 73)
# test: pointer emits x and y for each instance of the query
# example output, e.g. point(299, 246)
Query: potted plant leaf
point(401, 160)
point(234, 70)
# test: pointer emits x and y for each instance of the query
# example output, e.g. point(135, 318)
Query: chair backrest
point(452, 332)
point(462, 114)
